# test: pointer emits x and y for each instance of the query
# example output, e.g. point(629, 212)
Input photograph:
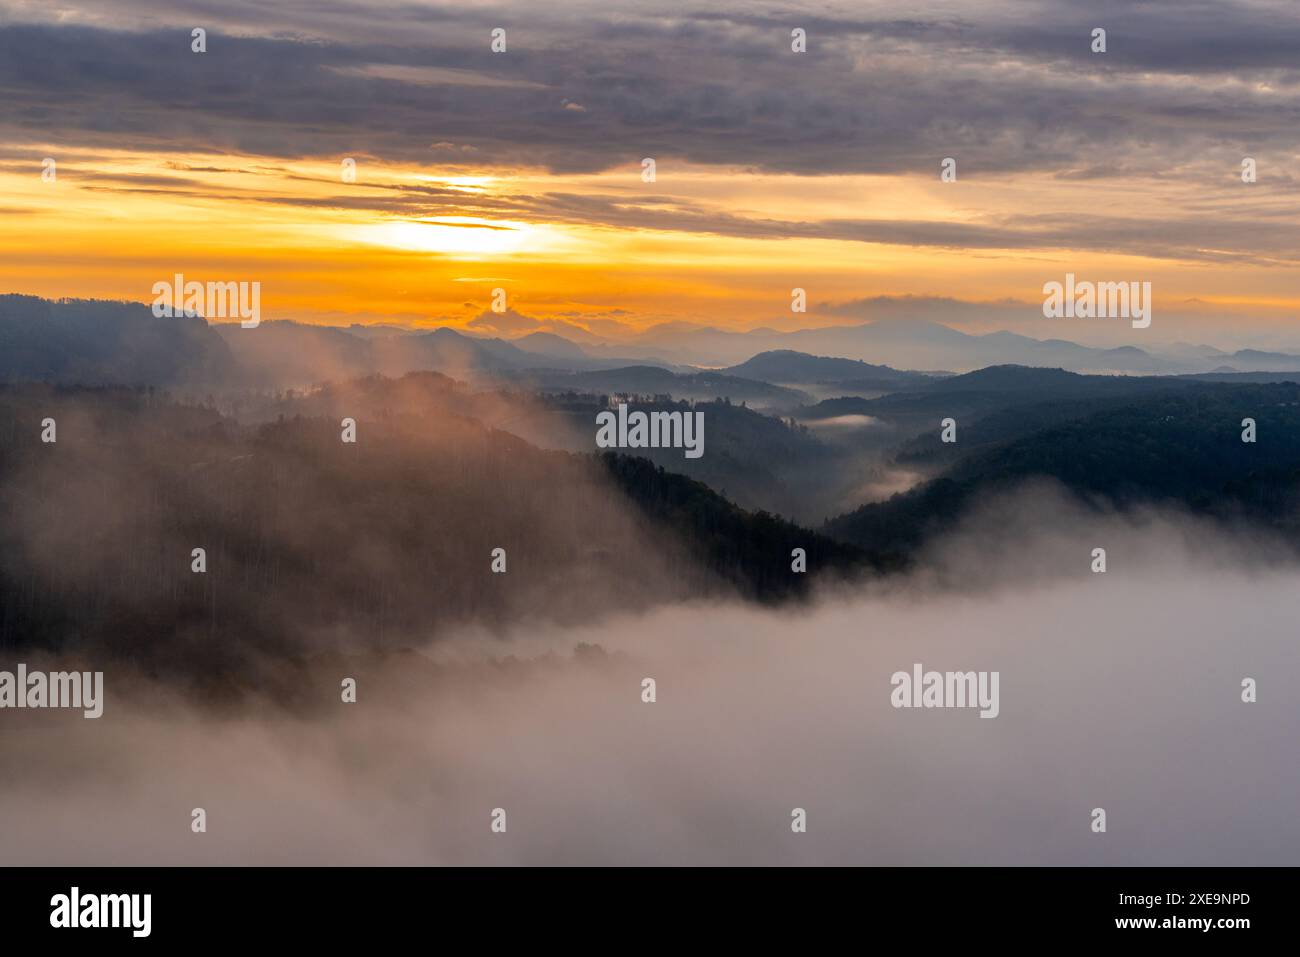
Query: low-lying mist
point(1119, 691)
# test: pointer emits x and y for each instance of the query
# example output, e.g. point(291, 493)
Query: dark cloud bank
point(1015, 87)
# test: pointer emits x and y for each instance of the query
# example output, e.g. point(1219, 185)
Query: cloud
point(1119, 691)
point(1182, 94)
point(511, 324)
point(507, 323)
point(1014, 90)
point(949, 311)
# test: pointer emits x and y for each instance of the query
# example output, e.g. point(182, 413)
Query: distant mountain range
point(923, 345)
point(94, 342)
point(115, 343)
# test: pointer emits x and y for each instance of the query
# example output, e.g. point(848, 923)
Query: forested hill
point(753, 550)
point(313, 544)
point(1179, 448)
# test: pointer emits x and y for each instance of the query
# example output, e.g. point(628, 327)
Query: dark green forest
point(1179, 447)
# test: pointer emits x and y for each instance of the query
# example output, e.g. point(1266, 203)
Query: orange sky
point(114, 223)
point(779, 164)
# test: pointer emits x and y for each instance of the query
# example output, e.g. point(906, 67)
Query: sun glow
point(459, 236)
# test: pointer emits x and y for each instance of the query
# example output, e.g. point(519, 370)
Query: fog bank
point(1120, 691)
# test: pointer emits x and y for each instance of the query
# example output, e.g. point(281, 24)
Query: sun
point(458, 236)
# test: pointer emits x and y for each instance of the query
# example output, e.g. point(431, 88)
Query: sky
point(774, 169)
